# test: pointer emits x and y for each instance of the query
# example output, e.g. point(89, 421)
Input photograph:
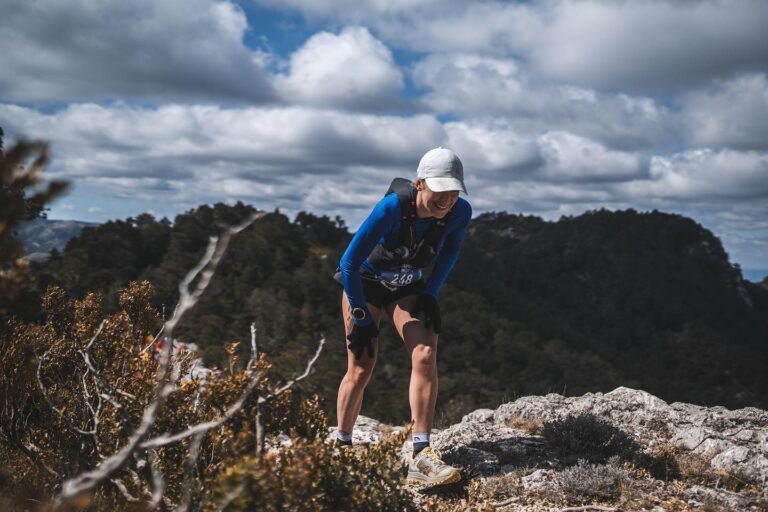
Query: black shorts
point(376, 294)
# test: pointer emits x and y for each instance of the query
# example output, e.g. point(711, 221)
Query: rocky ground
point(623, 450)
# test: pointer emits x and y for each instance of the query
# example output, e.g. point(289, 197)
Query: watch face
point(358, 313)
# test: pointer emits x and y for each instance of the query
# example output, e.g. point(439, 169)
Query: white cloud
point(355, 10)
point(731, 113)
point(349, 70)
point(569, 157)
point(202, 153)
point(488, 149)
point(704, 174)
point(650, 45)
point(632, 46)
point(473, 85)
point(741, 218)
point(79, 49)
point(496, 151)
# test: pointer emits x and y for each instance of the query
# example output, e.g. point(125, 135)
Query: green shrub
point(588, 437)
point(312, 476)
point(47, 437)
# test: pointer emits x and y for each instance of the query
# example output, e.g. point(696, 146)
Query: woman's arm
point(379, 222)
point(449, 253)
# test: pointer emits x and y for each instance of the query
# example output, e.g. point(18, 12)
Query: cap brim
point(446, 184)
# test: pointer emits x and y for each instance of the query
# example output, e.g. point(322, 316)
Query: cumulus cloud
point(744, 218)
point(350, 70)
point(703, 174)
point(76, 50)
point(299, 156)
point(488, 149)
point(569, 157)
point(201, 152)
point(731, 113)
point(496, 151)
point(473, 85)
point(630, 46)
point(651, 45)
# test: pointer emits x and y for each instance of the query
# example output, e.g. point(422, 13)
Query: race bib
point(404, 276)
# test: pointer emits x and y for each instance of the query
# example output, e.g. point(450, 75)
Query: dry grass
point(530, 426)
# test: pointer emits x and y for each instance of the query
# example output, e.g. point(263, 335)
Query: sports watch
point(359, 314)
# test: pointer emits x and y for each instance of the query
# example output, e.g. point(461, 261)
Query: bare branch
point(167, 439)
point(290, 383)
point(158, 483)
point(123, 490)
point(231, 496)
point(254, 351)
point(32, 454)
point(104, 390)
point(259, 429)
point(192, 460)
point(205, 269)
point(208, 425)
point(48, 400)
point(154, 338)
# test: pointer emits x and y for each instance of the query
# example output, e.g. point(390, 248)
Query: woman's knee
point(424, 356)
point(359, 375)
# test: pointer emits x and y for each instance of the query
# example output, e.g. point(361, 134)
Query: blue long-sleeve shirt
point(383, 226)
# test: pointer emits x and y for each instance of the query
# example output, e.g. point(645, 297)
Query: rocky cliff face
point(623, 450)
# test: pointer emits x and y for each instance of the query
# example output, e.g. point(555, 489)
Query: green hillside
point(587, 303)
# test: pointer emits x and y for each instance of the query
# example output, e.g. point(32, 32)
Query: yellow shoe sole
point(452, 478)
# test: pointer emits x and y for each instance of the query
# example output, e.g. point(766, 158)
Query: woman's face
point(435, 204)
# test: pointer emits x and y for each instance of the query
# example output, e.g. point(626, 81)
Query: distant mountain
point(41, 235)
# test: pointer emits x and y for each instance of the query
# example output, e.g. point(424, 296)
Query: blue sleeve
point(449, 253)
point(379, 222)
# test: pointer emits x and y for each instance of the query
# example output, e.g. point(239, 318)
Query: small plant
point(588, 481)
point(496, 488)
point(680, 464)
point(588, 437)
point(530, 426)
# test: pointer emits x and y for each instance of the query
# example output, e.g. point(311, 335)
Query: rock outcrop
point(637, 451)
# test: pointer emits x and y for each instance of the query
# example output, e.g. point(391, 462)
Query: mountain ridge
point(586, 303)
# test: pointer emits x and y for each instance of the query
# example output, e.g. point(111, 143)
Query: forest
point(586, 303)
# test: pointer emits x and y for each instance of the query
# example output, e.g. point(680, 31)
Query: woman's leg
point(359, 371)
point(421, 344)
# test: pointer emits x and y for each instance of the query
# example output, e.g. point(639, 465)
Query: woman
point(382, 271)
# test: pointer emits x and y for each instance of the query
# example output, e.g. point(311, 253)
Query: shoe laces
point(432, 454)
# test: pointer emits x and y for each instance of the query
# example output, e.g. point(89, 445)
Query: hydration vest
point(408, 255)
point(408, 252)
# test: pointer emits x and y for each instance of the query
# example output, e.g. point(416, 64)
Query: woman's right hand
point(361, 338)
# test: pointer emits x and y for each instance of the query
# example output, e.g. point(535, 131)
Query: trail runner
point(415, 225)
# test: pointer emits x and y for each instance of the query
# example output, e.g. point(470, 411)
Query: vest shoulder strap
point(406, 194)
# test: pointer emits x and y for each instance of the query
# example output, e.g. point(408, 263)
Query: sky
point(555, 107)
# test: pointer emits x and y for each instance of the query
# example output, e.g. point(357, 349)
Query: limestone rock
point(489, 445)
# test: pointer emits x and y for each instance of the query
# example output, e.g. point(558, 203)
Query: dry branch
point(205, 269)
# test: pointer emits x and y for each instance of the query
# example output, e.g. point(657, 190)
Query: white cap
point(442, 170)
